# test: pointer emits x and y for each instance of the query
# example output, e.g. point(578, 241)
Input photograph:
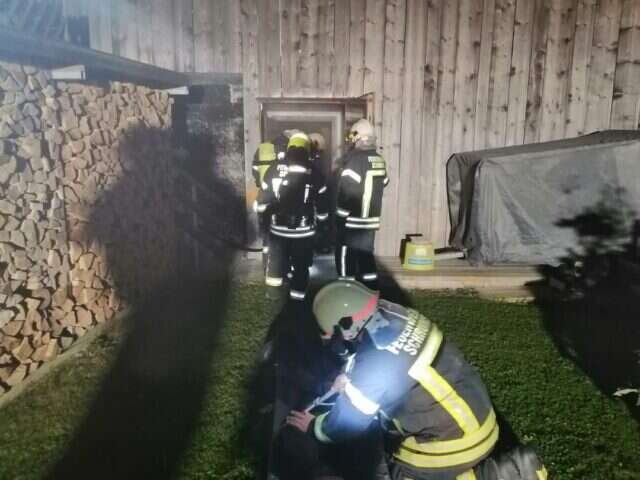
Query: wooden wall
point(160, 32)
point(448, 75)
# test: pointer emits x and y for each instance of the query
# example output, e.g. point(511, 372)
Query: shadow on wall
point(591, 310)
point(146, 409)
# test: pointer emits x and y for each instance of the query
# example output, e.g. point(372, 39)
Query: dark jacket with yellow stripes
point(421, 390)
point(360, 187)
point(295, 191)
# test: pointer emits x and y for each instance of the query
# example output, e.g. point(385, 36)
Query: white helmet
point(362, 131)
point(318, 142)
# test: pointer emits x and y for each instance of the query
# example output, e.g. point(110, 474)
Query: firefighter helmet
point(299, 139)
point(363, 131)
point(318, 142)
point(345, 304)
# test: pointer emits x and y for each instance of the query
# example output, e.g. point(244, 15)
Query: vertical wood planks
point(484, 75)
point(557, 69)
point(308, 61)
point(580, 65)
point(466, 81)
point(203, 13)
point(163, 33)
point(234, 40)
point(500, 73)
point(270, 73)
point(251, 110)
point(341, 39)
point(536, 72)
point(100, 34)
point(325, 56)
point(374, 56)
point(356, 68)
point(603, 64)
point(290, 47)
point(220, 36)
point(446, 82)
point(411, 156)
point(145, 32)
point(429, 116)
point(185, 47)
point(394, 35)
point(520, 62)
point(129, 31)
point(626, 97)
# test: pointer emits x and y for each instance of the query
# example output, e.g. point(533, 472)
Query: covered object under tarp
point(506, 204)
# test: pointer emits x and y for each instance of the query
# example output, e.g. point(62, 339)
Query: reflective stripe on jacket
point(360, 187)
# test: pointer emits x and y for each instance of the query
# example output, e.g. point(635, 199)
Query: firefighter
point(295, 193)
point(433, 408)
point(361, 183)
point(267, 153)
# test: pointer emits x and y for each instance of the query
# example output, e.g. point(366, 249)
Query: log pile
point(86, 224)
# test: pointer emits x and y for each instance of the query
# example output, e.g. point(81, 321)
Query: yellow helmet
point(300, 140)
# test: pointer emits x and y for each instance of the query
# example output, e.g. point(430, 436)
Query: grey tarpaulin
point(505, 203)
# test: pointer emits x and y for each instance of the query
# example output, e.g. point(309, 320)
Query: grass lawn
point(581, 433)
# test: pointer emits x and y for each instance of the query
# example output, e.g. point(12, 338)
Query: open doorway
point(329, 117)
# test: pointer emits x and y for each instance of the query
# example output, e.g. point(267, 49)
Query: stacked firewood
point(85, 209)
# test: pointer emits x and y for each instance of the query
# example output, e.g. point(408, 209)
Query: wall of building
point(86, 210)
point(448, 75)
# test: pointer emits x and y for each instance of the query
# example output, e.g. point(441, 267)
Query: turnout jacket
point(360, 186)
point(430, 401)
point(296, 194)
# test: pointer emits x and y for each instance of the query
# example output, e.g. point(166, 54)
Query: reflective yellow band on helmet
point(471, 455)
point(444, 447)
point(299, 140)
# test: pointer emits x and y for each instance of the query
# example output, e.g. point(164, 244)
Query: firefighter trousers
point(284, 253)
point(354, 255)
point(520, 463)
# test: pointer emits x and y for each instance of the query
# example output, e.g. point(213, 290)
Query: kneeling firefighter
point(434, 411)
point(295, 193)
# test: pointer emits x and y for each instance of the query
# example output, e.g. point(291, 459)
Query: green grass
point(581, 433)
